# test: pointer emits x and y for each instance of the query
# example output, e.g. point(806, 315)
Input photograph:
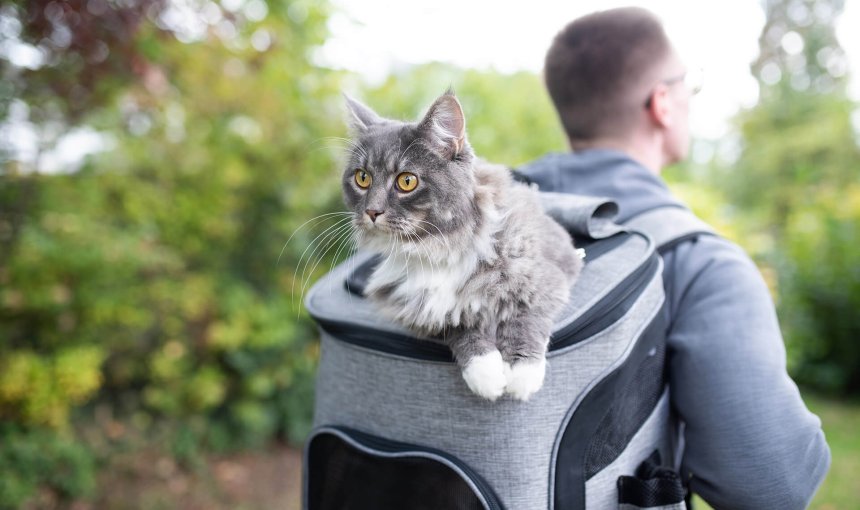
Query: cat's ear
point(361, 117)
point(445, 125)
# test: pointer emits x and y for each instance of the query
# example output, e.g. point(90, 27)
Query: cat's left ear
point(361, 117)
point(445, 125)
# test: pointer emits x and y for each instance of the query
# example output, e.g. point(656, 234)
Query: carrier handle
point(583, 216)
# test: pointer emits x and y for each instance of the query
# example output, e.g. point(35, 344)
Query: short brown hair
point(596, 66)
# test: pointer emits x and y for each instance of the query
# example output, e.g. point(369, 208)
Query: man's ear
point(361, 117)
point(445, 125)
point(660, 108)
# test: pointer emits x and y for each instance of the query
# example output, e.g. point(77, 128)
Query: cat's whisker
point(333, 228)
point(321, 218)
point(340, 143)
point(389, 252)
point(336, 239)
point(307, 258)
point(422, 244)
point(351, 235)
point(354, 146)
point(348, 242)
point(421, 261)
point(325, 245)
point(403, 154)
point(441, 237)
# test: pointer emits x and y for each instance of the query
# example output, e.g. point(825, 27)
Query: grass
point(840, 420)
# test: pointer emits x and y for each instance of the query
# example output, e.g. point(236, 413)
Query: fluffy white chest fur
point(433, 287)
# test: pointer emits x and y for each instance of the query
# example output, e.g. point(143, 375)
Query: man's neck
point(647, 154)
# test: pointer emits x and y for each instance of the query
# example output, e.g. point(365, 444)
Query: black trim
point(384, 341)
point(356, 281)
point(520, 177)
point(570, 470)
point(595, 248)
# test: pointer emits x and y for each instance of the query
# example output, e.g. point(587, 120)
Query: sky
point(374, 37)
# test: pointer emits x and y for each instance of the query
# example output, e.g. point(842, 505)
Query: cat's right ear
point(361, 117)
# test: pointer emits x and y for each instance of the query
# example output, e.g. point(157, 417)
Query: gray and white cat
point(469, 255)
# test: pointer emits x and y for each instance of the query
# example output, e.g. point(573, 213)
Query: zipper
point(382, 445)
point(356, 281)
point(385, 341)
point(609, 309)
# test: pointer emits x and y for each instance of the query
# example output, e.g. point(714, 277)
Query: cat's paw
point(485, 375)
point(525, 378)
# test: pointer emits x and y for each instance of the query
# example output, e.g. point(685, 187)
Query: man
point(621, 93)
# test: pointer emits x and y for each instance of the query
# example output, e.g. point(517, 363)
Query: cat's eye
point(362, 178)
point(407, 182)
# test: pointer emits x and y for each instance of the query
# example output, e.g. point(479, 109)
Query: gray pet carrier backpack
point(395, 426)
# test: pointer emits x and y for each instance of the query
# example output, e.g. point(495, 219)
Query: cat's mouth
point(380, 227)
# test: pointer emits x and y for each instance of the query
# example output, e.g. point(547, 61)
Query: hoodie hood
point(602, 173)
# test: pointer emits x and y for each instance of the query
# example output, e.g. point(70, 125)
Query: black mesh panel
point(628, 412)
point(342, 477)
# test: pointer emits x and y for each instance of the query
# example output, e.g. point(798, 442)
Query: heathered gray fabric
point(750, 441)
point(429, 404)
point(595, 283)
point(591, 216)
point(601, 491)
point(666, 223)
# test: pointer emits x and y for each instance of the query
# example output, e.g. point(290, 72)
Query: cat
point(469, 257)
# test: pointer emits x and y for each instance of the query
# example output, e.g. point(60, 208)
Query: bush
point(820, 291)
point(41, 459)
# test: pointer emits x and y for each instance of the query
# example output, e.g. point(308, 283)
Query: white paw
point(485, 375)
point(525, 378)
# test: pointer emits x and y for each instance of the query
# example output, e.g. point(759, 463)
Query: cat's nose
point(373, 213)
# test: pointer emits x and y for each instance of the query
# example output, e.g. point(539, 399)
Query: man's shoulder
point(712, 264)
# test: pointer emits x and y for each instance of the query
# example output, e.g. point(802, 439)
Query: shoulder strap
point(669, 226)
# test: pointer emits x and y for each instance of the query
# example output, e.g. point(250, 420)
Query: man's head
point(614, 75)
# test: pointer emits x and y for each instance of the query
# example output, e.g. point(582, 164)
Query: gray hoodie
point(749, 440)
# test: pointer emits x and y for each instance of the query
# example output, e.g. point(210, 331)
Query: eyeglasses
point(693, 80)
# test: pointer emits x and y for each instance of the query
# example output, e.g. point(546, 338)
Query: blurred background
point(160, 162)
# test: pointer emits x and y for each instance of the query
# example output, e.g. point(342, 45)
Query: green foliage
point(792, 150)
point(41, 390)
point(509, 118)
point(42, 459)
point(822, 290)
point(795, 187)
point(149, 280)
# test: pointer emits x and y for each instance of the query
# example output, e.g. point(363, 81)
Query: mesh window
point(628, 412)
point(343, 477)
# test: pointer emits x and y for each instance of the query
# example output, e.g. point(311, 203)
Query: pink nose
point(373, 214)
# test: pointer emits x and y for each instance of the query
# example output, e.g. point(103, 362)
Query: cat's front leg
point(480, 362)
point(523, 345)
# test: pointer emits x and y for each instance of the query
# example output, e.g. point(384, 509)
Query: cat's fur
point(469, 255)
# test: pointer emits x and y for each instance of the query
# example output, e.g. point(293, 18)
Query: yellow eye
point(362, 178)
point(407, 182)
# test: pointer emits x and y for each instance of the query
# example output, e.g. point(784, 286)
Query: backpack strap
point(669, 226)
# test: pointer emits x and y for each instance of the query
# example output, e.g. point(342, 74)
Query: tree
point(796, 180)
point(147, 281)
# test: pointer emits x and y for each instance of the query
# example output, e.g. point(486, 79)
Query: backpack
point(395, 426)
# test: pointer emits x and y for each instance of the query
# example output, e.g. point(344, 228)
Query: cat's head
point(409, 181)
